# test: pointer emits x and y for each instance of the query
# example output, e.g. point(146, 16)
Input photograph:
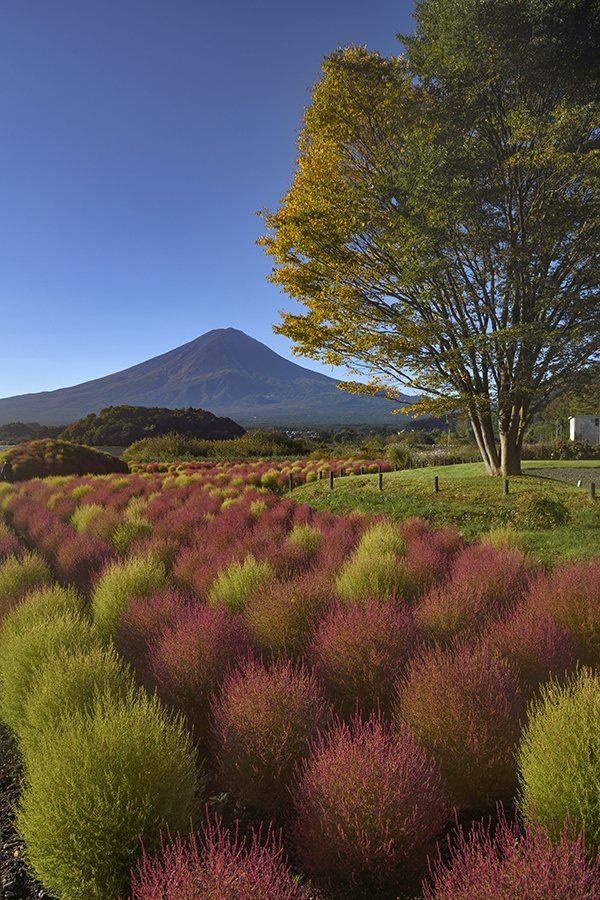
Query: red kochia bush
point(217, 865)
point(511, 864)
point(571, 596)
point(189, 658)
point(80, 558)
point(359, 653)
point(465, 706)
point(369, 802)
point(142, 621)
point(264, 721)
point(534, 644)
point(483, 581)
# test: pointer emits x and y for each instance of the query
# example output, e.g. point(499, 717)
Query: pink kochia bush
point(571, 596)
point(141, 622)
point(534, 643)
point(512, 864)
point(189, 658)
point(482, 582)
point(465, 706)
point(360, 651)
point(264, 722)
point(369, 802)
point(219, 865)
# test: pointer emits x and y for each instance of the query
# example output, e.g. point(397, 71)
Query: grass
point(474, 503)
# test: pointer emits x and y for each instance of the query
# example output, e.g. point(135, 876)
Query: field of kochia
point(218, 692)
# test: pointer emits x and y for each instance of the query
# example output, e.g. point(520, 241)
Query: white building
point(585, 428)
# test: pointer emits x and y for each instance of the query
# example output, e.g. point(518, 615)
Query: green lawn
point(474, 503)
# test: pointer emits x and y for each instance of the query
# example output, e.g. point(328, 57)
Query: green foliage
point(139, 576)
point(26, 648)
point(264, 442)
point(129, 531)
point(235, 584)
point(308, 537)
point(574, 450)
point(559, 757)
point(19, 575)
point(504, 537)
point(120, 426)
point(67, 683)
point(43, 603)
point(84, 515)
point(44, 458)
point(399, 455)
point(542, 512)
point(96, 786)
point(375, 569)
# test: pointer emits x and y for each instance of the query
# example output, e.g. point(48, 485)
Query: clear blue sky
point(138, 140)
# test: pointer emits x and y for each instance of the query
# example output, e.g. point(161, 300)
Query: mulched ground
point(15, 884)
point(571, 476)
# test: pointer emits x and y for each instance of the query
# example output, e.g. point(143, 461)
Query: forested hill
point(119, 426)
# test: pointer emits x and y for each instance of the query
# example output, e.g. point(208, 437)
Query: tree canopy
point(442, 227)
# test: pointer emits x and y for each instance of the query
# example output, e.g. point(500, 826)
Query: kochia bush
point(216, 864)
point(513, 863)
point(360, 651)
point(18, 576)
point(368, 802)
point(189, 657)
point(97, 785)
point(464, 706)
point(234, 585)
point(558, 756)
point(263, 722)
point(138, 576)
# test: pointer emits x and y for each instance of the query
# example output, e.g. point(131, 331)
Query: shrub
point(99, 784)
point(464, 705)
point(571, 596)
point(25, 651)
point(280, 614)
point(539, 512)
point(80, 557)
point(141, 622)
point(70, 682)
point(368, 802)
point(18, 576)
point(558, 756)
point(9, 543)
point(514, 863)
point(139, 576)
point(42, 605)
point(308, 537)
point(360, 651)
point(188, 659)
point(129, 531)
point(235, 584)
point(504, 537)
point(46, 457)
point(84, 515)
point(483, 581)
point(263, 722)
point(219, 865)
point(534, 644)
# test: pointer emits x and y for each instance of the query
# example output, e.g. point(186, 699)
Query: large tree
point(442, 227)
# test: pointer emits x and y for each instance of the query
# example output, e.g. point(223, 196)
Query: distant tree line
point(120, 426)
point(17, 432)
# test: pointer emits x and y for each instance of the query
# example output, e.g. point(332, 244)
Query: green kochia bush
point(96, 786)
point(69, 682)
point(559, 756)
point(18, 576)
point(235, 584)
point(25, 651)
point(139, 576)
point(376, 568)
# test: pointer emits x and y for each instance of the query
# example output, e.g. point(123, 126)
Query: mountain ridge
point(225, 371)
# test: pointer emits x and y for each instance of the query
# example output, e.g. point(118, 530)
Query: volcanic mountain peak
point(224, 371)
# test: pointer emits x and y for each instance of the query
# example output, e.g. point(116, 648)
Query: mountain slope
point(224, 371)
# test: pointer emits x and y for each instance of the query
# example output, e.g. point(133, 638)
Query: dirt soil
point(15, 883)
point(571, 476)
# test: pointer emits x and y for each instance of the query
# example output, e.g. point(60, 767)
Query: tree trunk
point(484, 435)
point(510, 454)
